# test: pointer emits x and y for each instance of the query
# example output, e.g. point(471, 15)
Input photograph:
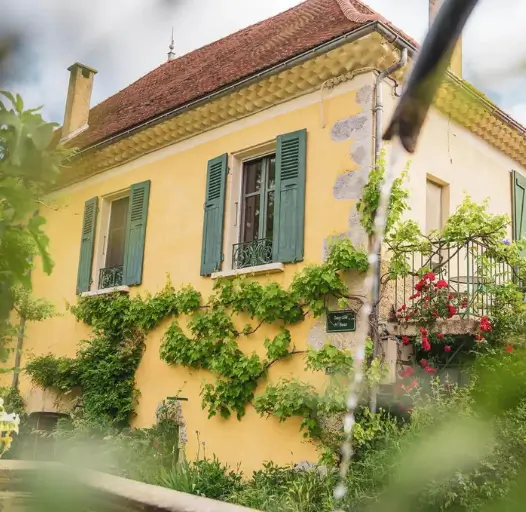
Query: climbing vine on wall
point(105, 366)
point(211, 340)
point(104, 369)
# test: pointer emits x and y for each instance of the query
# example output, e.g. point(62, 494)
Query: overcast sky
point(125, 39)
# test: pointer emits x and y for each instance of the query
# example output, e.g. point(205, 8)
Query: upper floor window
point(117, 241)
point(111, 274)
point(267, 194)
point(435, 206)
point(519, 206)
point(257, 213)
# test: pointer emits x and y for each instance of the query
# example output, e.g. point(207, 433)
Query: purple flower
point(506, 242)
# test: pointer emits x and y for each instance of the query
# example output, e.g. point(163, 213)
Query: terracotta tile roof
point(224, 62)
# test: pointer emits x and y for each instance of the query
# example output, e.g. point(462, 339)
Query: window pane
point(117, 232)
point(433, 207)
point(252, 176)
point(271, 182)
point(270, 215)
point(251, 218)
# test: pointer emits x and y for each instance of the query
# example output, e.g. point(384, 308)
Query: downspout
point(378, 111)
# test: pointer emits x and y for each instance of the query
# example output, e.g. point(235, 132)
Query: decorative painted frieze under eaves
point(455, 99)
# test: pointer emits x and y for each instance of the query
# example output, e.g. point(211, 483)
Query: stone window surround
point(233, 209)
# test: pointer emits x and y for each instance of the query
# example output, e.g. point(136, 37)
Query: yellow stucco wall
point(174, 234)
point(173, 246)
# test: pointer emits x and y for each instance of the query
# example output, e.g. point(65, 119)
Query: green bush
point(204, 477)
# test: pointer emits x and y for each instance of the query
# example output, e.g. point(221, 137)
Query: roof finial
point(171, 53)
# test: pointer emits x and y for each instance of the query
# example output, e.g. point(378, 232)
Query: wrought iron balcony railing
point(469, 268)
point(252, 254)
point(110, 277)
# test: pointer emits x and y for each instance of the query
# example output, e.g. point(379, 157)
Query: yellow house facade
point(252, 178)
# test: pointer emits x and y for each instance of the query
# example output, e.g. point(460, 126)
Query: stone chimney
point(78, 101)
point(456, 59)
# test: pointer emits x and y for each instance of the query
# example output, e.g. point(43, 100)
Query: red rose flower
point(412, 385)
point(442, 284)
point(452, 310)
point(405, 340)
point(485, 324)
point(440, 335)
point(451, 296)
point(431, 276)
point(447, 348)
point(479, 337)
point(408, 372)
point(430, 369)
point(424, 362)
point(423, 331)
point(420, 285)
point(509, 349)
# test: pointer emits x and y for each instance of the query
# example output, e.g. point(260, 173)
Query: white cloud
point(122, 39)
point(518, 111)
point(125, 39)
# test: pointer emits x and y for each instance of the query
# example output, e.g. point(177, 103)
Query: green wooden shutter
point(136, 233)
point(289, 208)
point(519, 206)
point(87, 242)
point(212, 248)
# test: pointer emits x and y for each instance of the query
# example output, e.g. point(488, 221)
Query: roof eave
point(352, 35)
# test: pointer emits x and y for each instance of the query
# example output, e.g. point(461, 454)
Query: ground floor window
point(40, 444)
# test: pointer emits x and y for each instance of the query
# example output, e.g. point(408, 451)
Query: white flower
point(9, 422)
point(10, 418)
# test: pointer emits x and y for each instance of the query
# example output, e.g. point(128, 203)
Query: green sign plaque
point(341, 321)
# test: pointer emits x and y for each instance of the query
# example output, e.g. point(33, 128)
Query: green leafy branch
point(209, 340)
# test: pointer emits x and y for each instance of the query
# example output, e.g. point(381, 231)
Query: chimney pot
point(78, 100)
